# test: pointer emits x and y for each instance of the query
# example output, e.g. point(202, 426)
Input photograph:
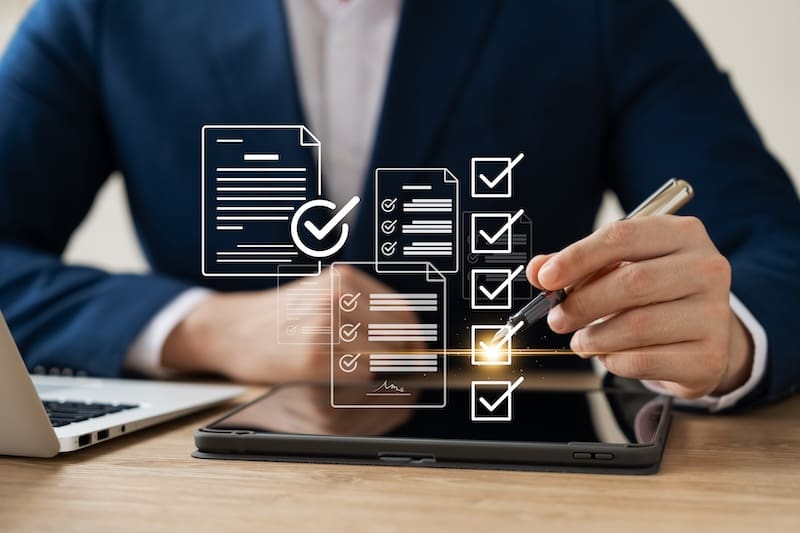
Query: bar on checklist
point(402, 362)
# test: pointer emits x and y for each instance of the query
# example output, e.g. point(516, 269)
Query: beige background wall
point(755, 40)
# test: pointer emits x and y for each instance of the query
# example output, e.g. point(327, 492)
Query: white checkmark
point(320, 233)
point(348, 331)
point(509, 332)
point(349, 363)
point(503, 397)
point(491, 183)
point(491, 239)
point(491, 295)
point(348, 302)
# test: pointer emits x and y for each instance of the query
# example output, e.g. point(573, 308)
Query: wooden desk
point(724, 473)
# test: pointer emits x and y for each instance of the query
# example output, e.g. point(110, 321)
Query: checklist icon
point(491, 401)
point(483, 352)
point(491, 177)
point(491, 287)
point(491, 232)
point(399, 337)
point(417, 219)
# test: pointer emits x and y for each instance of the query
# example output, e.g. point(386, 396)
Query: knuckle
point(716, 358)
point(637, 323)
point(691, 224)
point(718, 268)
point(582, 343)
point(640, 365)
point(578, 308)
point(630, 365)
point(692, 392)
point(720, 311)
point(572, 255)
point(618, 233)
point(635, 280)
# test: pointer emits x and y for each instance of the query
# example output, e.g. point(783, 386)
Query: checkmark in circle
point(349, 332)
point(311, 249)
point(348, 362)
point(388, 205)
point(291, 329)
point(349, 302)
point(321, 233)
point(388, 226)
point(388, 248)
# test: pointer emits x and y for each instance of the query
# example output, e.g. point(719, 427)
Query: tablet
point(605, 430)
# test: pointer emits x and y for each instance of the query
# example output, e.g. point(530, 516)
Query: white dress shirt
point(342, 53)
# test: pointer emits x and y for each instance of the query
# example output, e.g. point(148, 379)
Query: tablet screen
point(530, 414)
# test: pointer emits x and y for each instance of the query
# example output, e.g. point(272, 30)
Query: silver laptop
point(41, 416)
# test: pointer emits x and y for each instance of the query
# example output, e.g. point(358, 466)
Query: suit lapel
point(437, 45)
point(252, 61)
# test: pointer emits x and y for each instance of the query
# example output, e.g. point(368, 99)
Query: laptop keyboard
point(63, 413)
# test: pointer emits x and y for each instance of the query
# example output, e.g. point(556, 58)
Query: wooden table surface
point(720, 473)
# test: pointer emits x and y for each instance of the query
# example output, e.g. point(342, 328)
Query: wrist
point(740, 358)
point(189, 347)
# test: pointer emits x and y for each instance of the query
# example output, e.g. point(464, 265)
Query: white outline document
point(417, 219)
point(401, 373)
point(251, 182)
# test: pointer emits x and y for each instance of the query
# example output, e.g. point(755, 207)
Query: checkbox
point(491, 232)
point(491, 287)
point(491, 401)
point(482, 352)
point(491, 177)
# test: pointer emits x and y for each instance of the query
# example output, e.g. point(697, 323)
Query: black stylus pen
point(673, 195)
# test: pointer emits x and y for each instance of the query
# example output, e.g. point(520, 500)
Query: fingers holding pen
point(631, 285)
point(532, 270)
point(657, 324)
point(625, 240)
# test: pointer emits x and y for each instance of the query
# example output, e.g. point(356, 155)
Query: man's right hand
point(236, 335)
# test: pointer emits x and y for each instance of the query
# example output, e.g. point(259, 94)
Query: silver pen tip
point(501, 334)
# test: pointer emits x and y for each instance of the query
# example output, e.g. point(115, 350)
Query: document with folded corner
point(416, 219)
point(395, 317)
point(254, 178)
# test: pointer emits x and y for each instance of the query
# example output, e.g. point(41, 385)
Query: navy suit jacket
point(599, 94)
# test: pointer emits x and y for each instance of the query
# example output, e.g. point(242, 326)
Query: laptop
point(42, 416)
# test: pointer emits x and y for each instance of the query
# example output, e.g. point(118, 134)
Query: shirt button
point(66, 372)
point(39, 369)
point(81, 373)
point(54, 371)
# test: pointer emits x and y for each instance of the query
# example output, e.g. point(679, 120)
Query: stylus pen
point(673, 195)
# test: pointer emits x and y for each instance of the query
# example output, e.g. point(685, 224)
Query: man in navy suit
point(598, 94)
